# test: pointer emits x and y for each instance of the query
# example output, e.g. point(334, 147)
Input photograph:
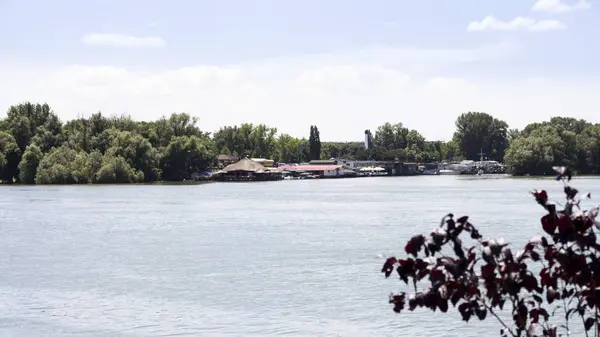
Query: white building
point(356, 164)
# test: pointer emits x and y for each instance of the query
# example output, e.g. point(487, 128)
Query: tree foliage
point(557, 272)
point(29, 164)
point(36, 147)
point(557, 142)
point(155, 150)
point(173, 147)
point(314, 143)
point(479, 131)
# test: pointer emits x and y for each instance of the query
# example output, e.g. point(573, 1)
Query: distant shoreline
point(203, 182)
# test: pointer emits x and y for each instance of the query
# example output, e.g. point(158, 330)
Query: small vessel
point(448, 172)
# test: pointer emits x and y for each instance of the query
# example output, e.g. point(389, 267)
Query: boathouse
point(406, 169)
point(324, 171)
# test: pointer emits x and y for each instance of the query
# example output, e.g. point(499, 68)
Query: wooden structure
point(225, 159)
point(247, 170)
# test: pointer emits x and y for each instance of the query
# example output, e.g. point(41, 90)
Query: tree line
point(36, 147)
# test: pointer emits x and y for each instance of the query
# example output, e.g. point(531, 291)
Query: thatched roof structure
point(245, 165)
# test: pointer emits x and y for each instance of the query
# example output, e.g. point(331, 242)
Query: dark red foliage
point(481, 277)
point(398, 301)
point(414, 245)
point(549, 223)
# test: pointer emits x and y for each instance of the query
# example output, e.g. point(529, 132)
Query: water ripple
point(296, 259)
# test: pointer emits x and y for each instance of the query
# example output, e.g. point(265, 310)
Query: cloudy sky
point(344, 65)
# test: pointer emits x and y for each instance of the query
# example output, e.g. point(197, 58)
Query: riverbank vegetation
point(37, 147)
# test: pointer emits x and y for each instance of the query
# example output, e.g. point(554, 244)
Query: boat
point(446, 172)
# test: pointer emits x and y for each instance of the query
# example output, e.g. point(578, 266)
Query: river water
point(299, 258)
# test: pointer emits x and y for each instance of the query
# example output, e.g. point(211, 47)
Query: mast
point(481, 155)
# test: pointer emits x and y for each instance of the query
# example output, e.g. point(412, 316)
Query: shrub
point(555, 273)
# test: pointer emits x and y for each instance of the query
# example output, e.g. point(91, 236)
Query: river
point(299, 258)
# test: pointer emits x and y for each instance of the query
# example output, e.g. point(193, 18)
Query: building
point(405, 169)
point(356, 164)
point(325, 171)
point(247, 170)
point(264, 162)
point(225, 159)
point(331, 161)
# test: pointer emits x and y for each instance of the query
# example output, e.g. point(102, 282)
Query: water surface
point(297, 258)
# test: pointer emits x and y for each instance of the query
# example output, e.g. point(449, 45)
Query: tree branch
point(499, 319)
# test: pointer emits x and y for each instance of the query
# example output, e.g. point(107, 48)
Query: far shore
point(203, 182)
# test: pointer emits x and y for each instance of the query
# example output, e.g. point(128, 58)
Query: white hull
point(448, 172)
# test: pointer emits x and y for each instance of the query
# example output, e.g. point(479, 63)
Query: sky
point(343, 65)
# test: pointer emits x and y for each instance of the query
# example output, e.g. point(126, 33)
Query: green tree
point(29, 164)
point(314, 143)
point(263, 141)
point(289, 149)
point(589, 145)
point(479, 131)
point(391, 136)
point(227, 140)
point(512, 134)
point(116, 170)
point(64, 165)
point(576, 138)
point(10, 155)
point(536, 153)
point(186, 155)
point(450, 151)
point(137, 152)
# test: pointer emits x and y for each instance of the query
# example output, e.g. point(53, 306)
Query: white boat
point(448, 172)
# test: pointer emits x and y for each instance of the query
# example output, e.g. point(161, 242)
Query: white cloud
point(559, 6)
point(518, 23)
point(120, 40)
point(342, 93)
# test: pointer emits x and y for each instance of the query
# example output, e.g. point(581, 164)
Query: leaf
point(462, 220)
point(414, 245)
point(488, 271)
point(481, 313)
point(541, 197)
point(549, 223)
point(530, 282)
point(398, 301)
point(388, 266)
point(465, 311)
point(437, 276)
point(456, 297)
point(535, 315)
point(570, 192)
point(443, 305)
point(589, 323)
point(475, 234)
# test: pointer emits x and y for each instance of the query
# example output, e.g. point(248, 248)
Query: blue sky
point(343, 65)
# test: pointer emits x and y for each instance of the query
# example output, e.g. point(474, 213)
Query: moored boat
point(447, 172)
